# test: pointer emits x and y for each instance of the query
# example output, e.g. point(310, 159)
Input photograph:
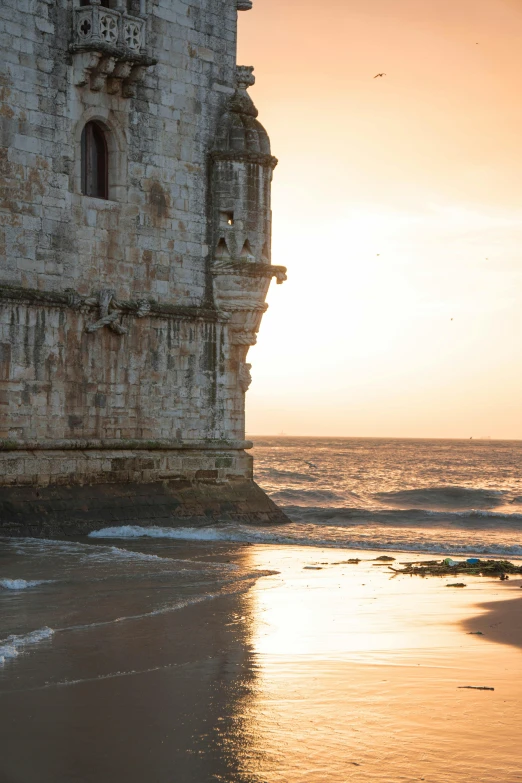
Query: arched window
point(95, 162)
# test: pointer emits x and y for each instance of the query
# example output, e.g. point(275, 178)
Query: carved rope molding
point(110, 310)
point(249, 270)
point(237, 156)
point(70, 299)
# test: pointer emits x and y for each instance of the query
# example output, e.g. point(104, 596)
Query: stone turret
point(242, 167)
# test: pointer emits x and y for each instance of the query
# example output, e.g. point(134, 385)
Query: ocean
point(413, 496)
point(439, 496)
point(434, 496)
point(172, 653)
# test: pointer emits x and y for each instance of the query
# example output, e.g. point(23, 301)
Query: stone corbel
point(121, 72)
point(129, 84)
point(244, 5)
point(84, 64)
point(99, 75)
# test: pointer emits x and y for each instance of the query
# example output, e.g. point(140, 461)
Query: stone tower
point(134, 264)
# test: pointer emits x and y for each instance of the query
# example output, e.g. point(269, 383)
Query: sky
point(397, 208)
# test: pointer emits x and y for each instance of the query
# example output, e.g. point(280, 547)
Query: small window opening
point(103, 3)
point(95, 163)
point(227, 218)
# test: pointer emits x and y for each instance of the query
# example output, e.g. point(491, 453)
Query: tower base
point(167, 488)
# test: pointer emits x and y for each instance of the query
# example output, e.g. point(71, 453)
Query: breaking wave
point(14, 644)
point(368, 537)
point(22, 584)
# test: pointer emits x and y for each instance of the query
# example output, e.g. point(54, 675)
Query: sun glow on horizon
point(398, 212)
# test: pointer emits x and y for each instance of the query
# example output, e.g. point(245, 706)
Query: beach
point(247, 663)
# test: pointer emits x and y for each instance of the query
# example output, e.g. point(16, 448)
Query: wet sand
point(502, 621)
point(324, 672)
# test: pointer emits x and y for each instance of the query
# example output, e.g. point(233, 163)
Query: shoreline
point(300, 661)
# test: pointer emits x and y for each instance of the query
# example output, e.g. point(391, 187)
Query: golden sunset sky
point(397, 207)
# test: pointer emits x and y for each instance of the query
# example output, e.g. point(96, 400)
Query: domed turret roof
point(239, 131)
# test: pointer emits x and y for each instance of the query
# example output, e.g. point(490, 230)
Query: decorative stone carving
point(244, 376)
point(132, 33)
point(242, 337)
point(138, 309)
point(246, 304)
point(108, 28)
point(128, 89)
point(252, 270)
point(242, 175)
point(95, 25)
point(109, 313)
point(114, 43)
point(104, 68)
point(111, 310)
point(245, 77)
point(122, 71)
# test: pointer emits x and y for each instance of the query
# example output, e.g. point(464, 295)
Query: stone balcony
point(108, 47)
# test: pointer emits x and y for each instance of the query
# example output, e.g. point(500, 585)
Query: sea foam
point(14, 644)
point(136, 531)
point(372, 538)
point(22, 584)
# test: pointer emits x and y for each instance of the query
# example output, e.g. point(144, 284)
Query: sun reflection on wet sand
point(358, 676)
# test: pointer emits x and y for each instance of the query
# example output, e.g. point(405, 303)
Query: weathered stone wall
point(150, 237)
point(166, 378)
point(124, 330)
point(83, 466)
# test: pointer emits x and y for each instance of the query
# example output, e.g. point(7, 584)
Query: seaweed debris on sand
point(351, 561)
point(471, 567)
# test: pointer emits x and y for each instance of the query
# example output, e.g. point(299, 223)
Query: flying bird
point(379, 74)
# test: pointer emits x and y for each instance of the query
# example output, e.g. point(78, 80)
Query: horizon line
point(386, 437)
